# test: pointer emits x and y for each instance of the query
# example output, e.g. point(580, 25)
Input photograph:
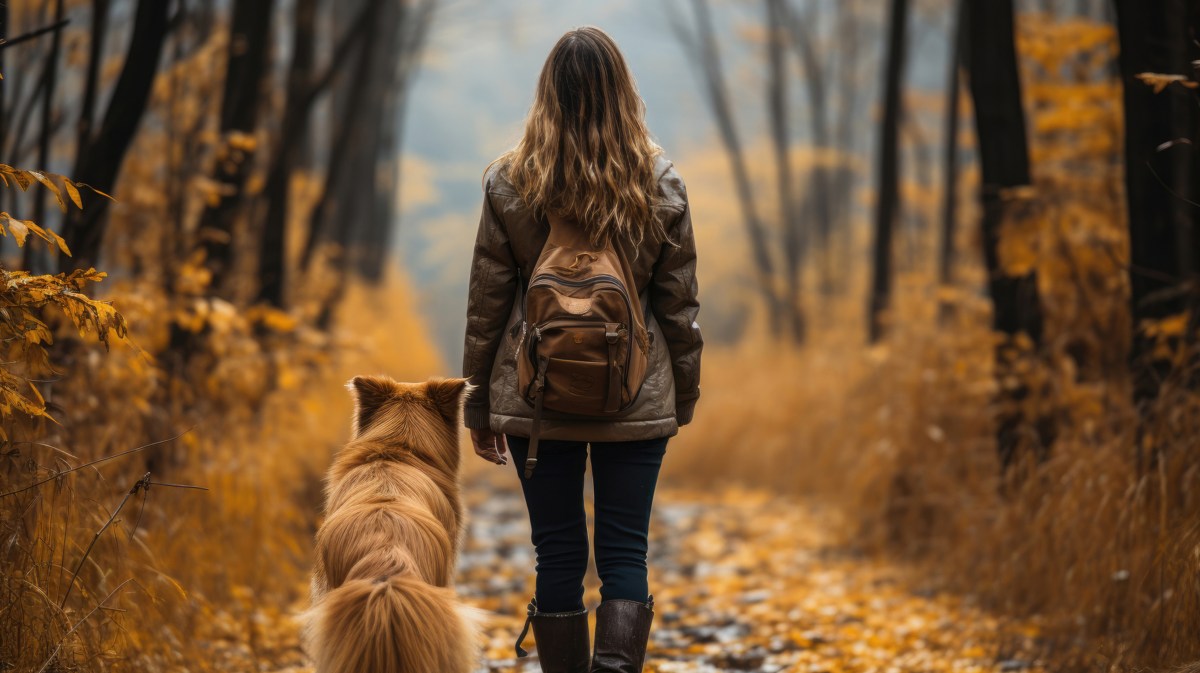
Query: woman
point(586, 157)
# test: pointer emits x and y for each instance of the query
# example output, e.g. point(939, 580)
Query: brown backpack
point(583, 349)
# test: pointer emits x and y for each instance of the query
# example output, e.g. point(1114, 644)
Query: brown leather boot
point(563, 639)
point(622, 632)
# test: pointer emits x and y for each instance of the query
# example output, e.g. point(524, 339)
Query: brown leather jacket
point(509, 241)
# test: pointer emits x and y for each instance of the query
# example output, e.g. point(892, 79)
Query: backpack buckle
point(612, 332)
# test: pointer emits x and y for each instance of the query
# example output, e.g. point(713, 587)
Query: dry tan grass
point(199, 580)
point(899, 439)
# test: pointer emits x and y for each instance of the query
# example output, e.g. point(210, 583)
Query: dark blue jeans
point(623, 478)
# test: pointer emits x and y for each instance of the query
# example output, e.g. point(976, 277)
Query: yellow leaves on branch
point(68, 192)
point(24, 178)
point(25, 298)
point(1160, 81)
point(22, 293)
point(21, 229)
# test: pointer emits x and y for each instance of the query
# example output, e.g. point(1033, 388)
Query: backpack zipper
point(594, 280)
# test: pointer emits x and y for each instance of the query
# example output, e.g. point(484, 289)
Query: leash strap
point(536, 430)
point(530, 612)
point(612, 333)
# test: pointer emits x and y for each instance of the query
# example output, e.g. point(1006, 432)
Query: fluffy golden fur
point(382, 600)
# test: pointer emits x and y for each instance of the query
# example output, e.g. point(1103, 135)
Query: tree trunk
point(51, 76)
point(888, 196)
point(790, 220)
point(950, 148)
point(701, 46)
point(5, 29)
point(249, 47)
point(347, 123)
point(847, 129)
point(43, 161)
point(1160, 177)
point(722, 110)
point(381, 150)
point(1004, 164)
point(408, 46)
point(272, 261)
point(91, 84)
point(98, 163)
point(820, 188)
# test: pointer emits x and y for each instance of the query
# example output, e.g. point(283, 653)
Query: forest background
point(948, 276)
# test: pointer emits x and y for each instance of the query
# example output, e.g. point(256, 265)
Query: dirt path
point(742, 582)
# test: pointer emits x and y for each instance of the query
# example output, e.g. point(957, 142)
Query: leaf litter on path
point(742, 582)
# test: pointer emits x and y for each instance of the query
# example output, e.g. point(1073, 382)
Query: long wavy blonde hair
point(586, 153)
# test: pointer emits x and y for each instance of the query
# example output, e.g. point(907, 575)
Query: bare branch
point(58, 25)
point(56, 475)
point(139, 485)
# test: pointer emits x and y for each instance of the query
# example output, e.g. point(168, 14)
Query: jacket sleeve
point(491, 293)
point(673, 299)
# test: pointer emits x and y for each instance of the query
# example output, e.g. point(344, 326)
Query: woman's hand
point(490, 446)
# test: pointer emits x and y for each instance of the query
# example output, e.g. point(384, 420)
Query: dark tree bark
point(249, 46)
point(888, 196)
point(91, 83)
point(272, 261)
point(1003, 155)
point(1004, 164)
point(4, 29)
point(353, 190)
point(348, 129)
point(950, 148)
point(303, 91)
point(43, 157)
point(99, 161)
point(51, 77)
point(15, 149)
point(847, 130)
point(407, 44)
point(381, 152)
point(789, 212)
point(194, 26)
point(349, 179)
point(1160, 175)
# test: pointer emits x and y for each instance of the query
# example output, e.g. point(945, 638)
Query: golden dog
point(382, 600)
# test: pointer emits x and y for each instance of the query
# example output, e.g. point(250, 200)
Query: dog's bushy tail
point(391, 622)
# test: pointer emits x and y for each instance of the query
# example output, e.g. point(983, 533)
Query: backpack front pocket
point(585, 364)
point(576, 386)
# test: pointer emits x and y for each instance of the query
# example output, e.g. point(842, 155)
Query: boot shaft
point(622, 633)
point(563, 640)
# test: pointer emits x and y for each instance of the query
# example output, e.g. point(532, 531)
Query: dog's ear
point(369, 392)
point(447, 395)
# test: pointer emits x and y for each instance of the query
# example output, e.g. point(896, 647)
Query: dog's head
point(383, 404)
point(416, 423)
